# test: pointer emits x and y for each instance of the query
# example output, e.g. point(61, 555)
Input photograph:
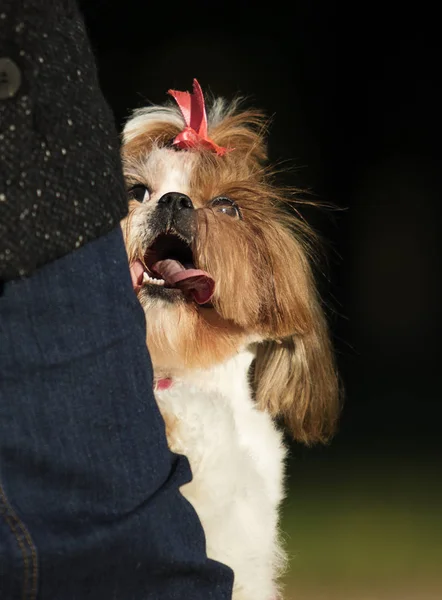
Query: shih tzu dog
point(221, 265)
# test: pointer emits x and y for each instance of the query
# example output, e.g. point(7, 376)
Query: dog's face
point(218, 263)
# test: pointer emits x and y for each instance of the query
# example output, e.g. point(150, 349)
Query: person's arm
point(90, 505)
point(60, 174)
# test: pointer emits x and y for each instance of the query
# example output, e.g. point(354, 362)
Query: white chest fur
point(237, 460)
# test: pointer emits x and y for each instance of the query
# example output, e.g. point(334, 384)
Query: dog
point(222, 266)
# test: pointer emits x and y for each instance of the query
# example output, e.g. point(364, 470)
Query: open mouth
point(168, 264)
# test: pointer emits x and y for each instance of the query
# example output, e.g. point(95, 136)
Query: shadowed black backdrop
point(354, 94)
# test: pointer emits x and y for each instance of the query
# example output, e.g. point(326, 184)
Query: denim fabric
point(90, 507)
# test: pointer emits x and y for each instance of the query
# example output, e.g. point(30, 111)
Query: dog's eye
point(226, 206)
point(139, 192)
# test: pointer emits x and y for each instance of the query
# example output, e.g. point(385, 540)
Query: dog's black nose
point(175, 201)
point(175, 212)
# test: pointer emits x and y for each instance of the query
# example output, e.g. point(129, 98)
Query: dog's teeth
point(148, 279)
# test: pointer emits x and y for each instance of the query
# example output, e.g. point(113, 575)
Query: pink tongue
point(199, 283)
point(136, 273)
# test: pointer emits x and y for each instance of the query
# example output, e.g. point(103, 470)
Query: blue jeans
point(90, 507)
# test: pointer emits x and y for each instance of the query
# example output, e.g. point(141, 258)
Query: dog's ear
point(295, 378)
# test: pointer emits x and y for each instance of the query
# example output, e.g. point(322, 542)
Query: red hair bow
point(193, 109)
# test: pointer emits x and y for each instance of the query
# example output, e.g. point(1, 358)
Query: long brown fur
point(264, 283)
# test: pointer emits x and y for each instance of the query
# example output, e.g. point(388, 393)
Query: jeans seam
point(26, 546)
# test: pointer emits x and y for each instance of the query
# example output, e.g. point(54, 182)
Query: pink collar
point(164, 383)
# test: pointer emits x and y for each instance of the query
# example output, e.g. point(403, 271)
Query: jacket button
point(10, 78)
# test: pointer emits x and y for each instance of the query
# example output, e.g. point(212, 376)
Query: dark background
point(354, 94)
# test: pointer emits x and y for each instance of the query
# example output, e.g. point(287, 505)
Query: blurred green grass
point(365, 530)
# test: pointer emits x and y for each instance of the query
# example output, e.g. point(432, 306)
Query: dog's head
point(220, 263)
